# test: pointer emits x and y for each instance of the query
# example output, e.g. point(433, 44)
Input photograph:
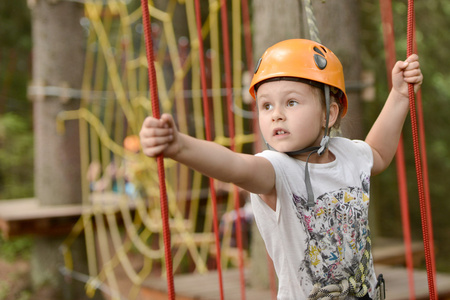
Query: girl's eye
point(292, 103)
point(267, 106)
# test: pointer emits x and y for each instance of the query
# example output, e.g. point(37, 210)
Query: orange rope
point(389, 44)
point(209, 138)
point(160, 158)
point(424, 207)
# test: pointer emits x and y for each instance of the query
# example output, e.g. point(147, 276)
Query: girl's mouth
point(279, 131)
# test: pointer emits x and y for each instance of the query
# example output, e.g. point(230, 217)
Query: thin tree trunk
point(58, 60)
point(339, 29)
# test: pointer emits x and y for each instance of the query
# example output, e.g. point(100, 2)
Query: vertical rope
point(250, 67)
point(229, 94)
point(160, 158)
point(420, 181)
point(389, 45)
point(247, 35)
point(311, 19)
point(209, 138)
point(425, 172)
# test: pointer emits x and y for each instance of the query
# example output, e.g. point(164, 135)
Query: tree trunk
point(58, 42)
point(339, 29)
point(58, 60)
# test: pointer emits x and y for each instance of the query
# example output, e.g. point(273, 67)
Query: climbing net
point(121, 218)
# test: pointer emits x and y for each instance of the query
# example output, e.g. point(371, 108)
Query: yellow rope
point(216, 78)
point(94, 14)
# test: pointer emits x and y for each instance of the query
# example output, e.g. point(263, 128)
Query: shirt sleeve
point(365, 151)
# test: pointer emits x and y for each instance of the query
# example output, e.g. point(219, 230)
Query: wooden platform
point(391, 251)
point(397, 287)
point(202, 287)
point(26, 216)
point(206, 287)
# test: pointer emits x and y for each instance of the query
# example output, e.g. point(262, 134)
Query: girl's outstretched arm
point(386, 131)
point(252, 173)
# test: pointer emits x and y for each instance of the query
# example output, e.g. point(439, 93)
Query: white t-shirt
point(325, 243)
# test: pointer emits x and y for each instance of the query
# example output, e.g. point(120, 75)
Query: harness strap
point(319, 150)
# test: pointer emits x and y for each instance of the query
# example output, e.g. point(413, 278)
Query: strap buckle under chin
point(323, 144)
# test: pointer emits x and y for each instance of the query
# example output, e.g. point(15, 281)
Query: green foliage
point(16, 157)
point(13, 249)
point(4, 290)
point(16, 137)
point(16, 21)
point(15, 56)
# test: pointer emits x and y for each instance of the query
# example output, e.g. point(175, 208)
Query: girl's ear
point(334, 113)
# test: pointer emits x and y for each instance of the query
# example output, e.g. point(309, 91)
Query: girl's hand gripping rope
point(405, 72)
point(159, 136)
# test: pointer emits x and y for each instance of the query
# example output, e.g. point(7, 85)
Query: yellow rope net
point(121, 218)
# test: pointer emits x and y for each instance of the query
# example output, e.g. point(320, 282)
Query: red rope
point(389, 44)
point(404, 208)
point(209, 138)
point(229, 92)
point(227, 63)
point(160, 158)
point(420, 181)
point(250, 67)
point(425, 173)
point(247, 35)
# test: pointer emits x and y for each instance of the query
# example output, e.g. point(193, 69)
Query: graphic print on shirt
point(337, 229)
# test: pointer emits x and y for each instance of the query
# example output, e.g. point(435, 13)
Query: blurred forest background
point(433, 22)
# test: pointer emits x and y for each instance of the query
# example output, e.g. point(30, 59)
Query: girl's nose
point(278, 114)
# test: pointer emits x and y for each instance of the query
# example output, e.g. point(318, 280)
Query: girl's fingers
point(154, 151)
point(157, 132)
point(156, 141)
point(413, 57)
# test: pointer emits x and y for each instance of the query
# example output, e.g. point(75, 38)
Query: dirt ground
point(15, 283)
point(15, 280)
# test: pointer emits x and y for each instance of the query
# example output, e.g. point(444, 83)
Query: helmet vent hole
point(317, 50)
point(320, 61)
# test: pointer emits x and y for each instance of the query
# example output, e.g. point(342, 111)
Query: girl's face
point(291, 116)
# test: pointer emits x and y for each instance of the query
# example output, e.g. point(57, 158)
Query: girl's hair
point(335, 96)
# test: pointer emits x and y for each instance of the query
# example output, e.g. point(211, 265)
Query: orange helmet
point(299, 58)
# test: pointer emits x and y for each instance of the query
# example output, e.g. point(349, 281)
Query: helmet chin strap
point(315, 149)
